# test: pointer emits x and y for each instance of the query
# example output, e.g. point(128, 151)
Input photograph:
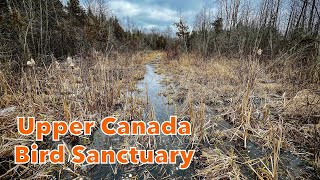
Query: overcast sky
point(155, 13)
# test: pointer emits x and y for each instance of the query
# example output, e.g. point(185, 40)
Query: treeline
point(242, 25)
point(286, 31)
point(38, 29)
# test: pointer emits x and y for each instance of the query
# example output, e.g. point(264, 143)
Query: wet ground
point(150, 90)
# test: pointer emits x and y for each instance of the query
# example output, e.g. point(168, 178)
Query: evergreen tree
point(76, 13)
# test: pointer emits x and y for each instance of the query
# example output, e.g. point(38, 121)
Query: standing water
point(150, 89)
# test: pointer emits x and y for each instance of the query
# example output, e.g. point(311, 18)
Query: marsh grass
point(231, 104)
point(259, 108)
point(77, 89)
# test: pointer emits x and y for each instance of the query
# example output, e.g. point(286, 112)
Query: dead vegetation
point(245, 124)
point(76, 89)
point(274, 117)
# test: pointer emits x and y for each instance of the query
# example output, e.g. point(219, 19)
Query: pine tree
point(183, 33)
point(118, 30)
point(76, 13)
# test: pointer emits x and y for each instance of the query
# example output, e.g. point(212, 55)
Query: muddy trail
point(156, 106)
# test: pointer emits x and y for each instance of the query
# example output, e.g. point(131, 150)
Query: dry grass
point(231, 103)
point(218, 165)
point(260, 109)
point(87, 88)
point(304, 103)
